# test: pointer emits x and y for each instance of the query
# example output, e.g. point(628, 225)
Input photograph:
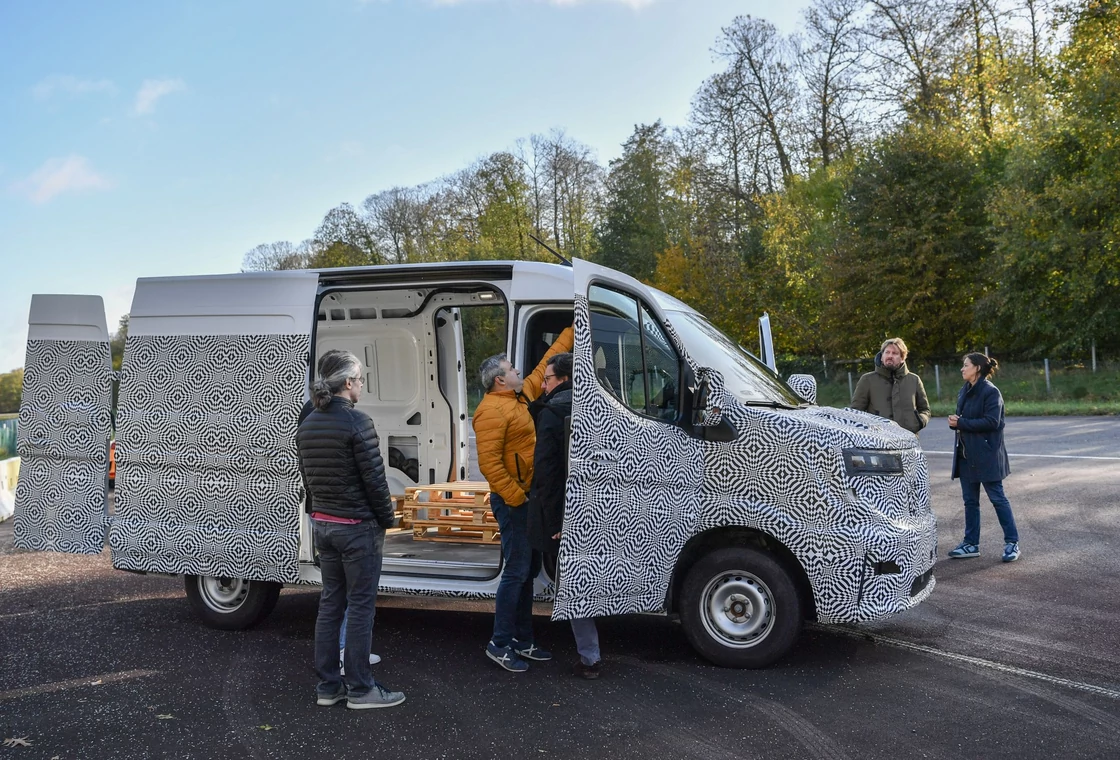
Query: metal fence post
point(1046, 364)
point(851, 390)
point(937, 378)
point(1094, 349)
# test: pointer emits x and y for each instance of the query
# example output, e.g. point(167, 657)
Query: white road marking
point(52, 610)
point(1042, 456)
point(73, 683)
point(977, 661)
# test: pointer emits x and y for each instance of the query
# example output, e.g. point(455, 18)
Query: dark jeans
point(513, 606)
point(350, 560)
point(970, 489)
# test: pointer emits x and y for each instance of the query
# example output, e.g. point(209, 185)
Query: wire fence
point(1045, 380)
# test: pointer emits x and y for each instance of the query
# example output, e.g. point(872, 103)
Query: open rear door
point(64, 426)
point(215, 373)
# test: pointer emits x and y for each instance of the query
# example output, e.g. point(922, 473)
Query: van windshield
point(745, 377)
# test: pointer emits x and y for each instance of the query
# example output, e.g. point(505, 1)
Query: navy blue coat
point(980, 434)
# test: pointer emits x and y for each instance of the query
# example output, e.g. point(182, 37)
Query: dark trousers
point(970, 490)
point(513, 606)
point(350, 560)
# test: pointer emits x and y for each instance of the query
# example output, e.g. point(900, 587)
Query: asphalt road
point(1008, 661)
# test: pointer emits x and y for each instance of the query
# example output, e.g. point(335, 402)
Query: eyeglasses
point(357, 379)
point(550, 377)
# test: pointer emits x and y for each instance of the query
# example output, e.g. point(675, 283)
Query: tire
point(231, 604)
point(740, 608)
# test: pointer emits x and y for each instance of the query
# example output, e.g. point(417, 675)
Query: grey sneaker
point(326, 699)
point(378, 696)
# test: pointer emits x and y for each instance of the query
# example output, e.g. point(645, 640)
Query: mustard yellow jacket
point(505, 435)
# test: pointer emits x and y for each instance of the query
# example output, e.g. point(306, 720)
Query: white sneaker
point(373, 660)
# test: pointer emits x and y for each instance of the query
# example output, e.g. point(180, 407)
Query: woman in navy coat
point(980, 457)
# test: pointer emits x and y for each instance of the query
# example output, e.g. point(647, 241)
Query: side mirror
point(704, 415)
point(804, 386)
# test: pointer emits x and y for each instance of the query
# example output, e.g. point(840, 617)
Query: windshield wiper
point(773, 404)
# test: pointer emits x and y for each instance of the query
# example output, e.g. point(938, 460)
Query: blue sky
point(145, 139)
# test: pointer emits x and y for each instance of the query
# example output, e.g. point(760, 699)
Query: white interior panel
point(398, 368)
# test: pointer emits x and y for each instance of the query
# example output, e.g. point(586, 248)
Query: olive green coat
point(895, 394)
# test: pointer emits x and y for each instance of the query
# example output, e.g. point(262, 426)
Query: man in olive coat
point(892, 391)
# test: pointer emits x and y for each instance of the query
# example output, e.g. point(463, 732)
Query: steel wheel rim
point(737, 609)
point(223, 595)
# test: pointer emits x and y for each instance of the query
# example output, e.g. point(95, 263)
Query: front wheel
point(740, 608)
point(231, 604)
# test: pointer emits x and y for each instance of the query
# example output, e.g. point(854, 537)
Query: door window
point(634, 359)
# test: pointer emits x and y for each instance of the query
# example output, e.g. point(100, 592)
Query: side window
point(634, 359)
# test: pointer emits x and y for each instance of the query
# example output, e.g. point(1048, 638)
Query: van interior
point(421, 349)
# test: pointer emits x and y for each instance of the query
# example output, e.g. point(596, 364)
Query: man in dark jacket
point(552, 414)
point(340, 460)
point(892, 391)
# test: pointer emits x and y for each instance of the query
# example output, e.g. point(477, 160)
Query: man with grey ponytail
point(340, 460)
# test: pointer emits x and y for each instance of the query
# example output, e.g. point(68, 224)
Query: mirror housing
point(704, 415)
point(804, 386)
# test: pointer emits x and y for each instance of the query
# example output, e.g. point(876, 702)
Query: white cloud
point(60, 175)
point(154, 89)
point(70, 85)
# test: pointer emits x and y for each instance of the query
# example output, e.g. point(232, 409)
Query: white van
point(700, 484)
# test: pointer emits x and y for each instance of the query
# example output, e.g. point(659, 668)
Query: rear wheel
point(740, 608)
point(231, 604)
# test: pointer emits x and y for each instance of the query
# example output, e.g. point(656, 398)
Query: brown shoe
point(589, 672)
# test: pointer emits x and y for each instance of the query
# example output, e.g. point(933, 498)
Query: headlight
point(870, 462)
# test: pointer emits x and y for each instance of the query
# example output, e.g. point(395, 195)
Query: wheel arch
point(736, 535)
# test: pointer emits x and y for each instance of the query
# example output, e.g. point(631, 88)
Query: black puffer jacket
point(550, 468)
point(340, 459)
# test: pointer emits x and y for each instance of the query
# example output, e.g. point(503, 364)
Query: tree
point(800, 235)
point(11, 387)
point(117, 341)
point(1057, 214)
point(913, 255)
point(633, 229)
point(911, 43)
point(345, 239)
point(831, 61)
point(279, 255)
point(761, 74)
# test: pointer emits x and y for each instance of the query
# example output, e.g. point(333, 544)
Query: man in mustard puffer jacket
point(505, 436)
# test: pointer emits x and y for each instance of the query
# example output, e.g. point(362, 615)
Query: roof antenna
point(550, 249)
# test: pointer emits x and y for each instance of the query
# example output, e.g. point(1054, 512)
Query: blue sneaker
point(1011, 552)
point(506, 657)
point(965, 550)
point(531, 651)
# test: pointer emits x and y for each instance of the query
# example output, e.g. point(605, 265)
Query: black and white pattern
point(626, 521)
point(207, 472)
point(63, 443)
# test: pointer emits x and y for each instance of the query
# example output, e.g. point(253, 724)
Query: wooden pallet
point(453, 512)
